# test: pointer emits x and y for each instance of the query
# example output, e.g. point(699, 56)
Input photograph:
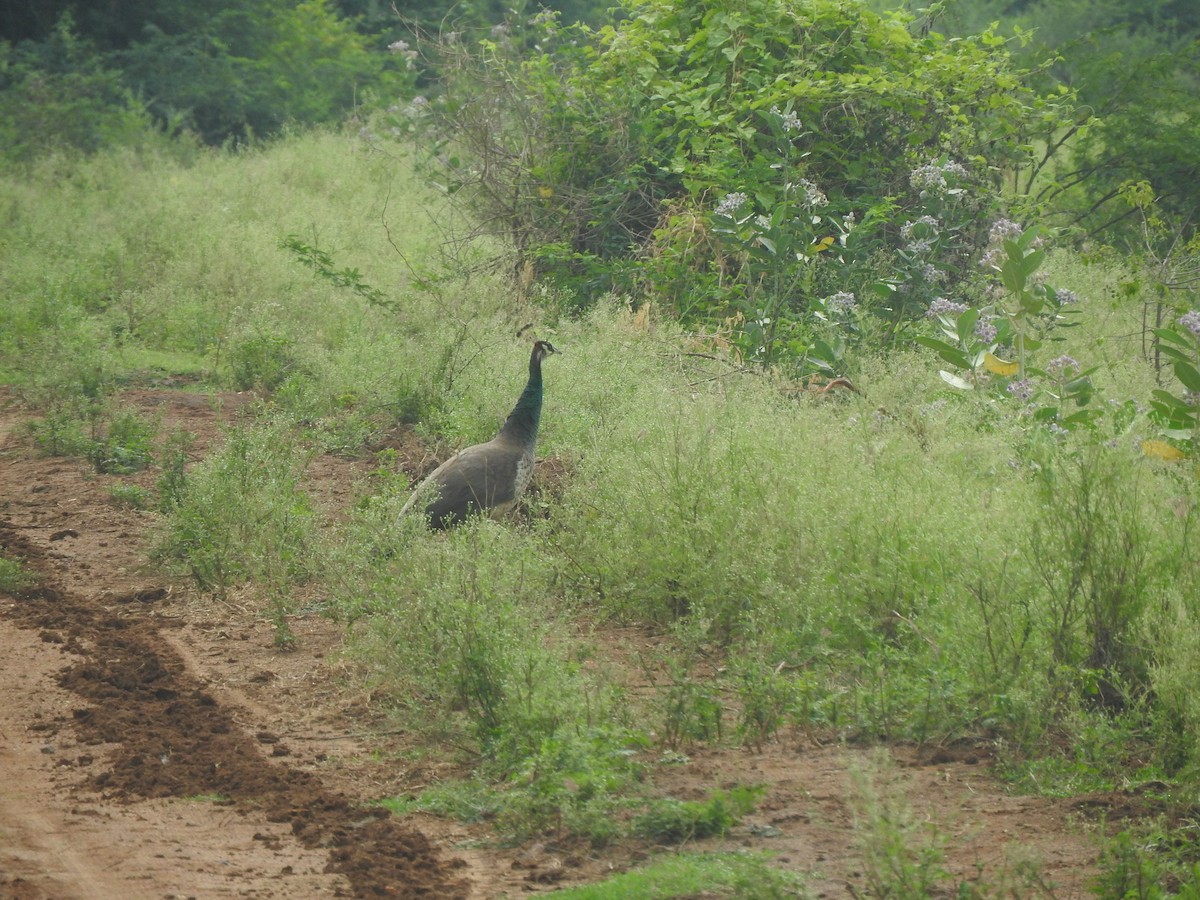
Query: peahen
point(488, 477)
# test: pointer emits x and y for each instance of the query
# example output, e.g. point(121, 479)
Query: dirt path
point(125, 776)
point(154, 743)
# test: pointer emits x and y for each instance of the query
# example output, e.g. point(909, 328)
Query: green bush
point(61, 96)
point(241, 514)
point(676, 821)
point(739, 161)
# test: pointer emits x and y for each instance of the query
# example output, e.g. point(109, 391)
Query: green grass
point(743, 875)
point(905, 563)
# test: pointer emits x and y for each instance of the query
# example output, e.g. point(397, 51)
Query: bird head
point(542, 349)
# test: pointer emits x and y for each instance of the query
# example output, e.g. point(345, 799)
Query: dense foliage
point(1136, 69)
point(83, 76)
point(741, 162)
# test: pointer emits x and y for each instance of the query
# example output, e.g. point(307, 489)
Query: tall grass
point(904, 562)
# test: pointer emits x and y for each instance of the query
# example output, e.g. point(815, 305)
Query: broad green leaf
point(965, 326)
point(1187, 375)
point(1169, 400)
point(1174, 353)
point(1170, 334)
point(1013, 275)
point(1032, 262)
point(950, 354)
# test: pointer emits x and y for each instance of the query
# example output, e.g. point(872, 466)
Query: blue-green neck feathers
point(522, 423)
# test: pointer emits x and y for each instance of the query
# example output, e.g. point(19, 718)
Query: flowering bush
point(737, 161)
point(1022, 311)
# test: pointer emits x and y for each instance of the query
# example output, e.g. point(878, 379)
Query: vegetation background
point(879, 404)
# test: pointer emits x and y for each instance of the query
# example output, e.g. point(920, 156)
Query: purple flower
point(1061, 364)
point(926, 223)
point(789, 120)
point(1191, 321)
point(813, 195)
point(985, 330)
point(1065, 297)
point(1004, 229)
point(1022, 389)
point(931, 177)
point(943, 307)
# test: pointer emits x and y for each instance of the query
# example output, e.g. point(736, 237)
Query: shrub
point(241, 514)
point(610, 158)
point(676, 821)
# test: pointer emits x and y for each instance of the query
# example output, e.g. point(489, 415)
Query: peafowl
point(488, 477)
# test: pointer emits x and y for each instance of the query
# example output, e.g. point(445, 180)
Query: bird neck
point(522, 423)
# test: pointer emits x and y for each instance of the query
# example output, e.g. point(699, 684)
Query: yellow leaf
point(998, 366)
point(823, 244)
point(1162, 450)
point(545, 192)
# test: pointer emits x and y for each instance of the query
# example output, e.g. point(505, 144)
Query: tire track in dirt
point(146, 732)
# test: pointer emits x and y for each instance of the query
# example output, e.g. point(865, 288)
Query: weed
point(1090, 550)
point(130, 496)
point(242, 515)
point(172, 478)
point(14, 576)
point(672, 821)
point(61, 432)
point(278, 611)
point(468, 801)
point(898, 862)
point(125, 446)
point(691, 709)
point(1133, 868)
point(261, 362)
point(116, 440)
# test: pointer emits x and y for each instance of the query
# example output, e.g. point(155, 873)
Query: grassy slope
point(904, 563)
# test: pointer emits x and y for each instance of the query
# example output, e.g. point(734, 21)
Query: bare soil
point(156, 743)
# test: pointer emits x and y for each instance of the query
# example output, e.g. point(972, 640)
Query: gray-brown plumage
point(488, 477)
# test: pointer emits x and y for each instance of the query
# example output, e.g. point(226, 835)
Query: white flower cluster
point(731, 203)
point(789, 120)
point(931, 178)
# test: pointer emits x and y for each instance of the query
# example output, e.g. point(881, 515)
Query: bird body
point(488, 477)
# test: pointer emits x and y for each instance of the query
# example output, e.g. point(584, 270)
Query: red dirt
point(155, 743)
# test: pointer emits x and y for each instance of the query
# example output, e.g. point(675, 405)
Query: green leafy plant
point(1024, 314)
point(899, 860)
point(115, 439)
point(14, 575)
point(125, 444)
point(674, 821)
point(1090, 550)
point(1176, 412)
point(322, 265)
point(172, 477)
point(262, 362)
point(131, 496)
point(241, 514)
